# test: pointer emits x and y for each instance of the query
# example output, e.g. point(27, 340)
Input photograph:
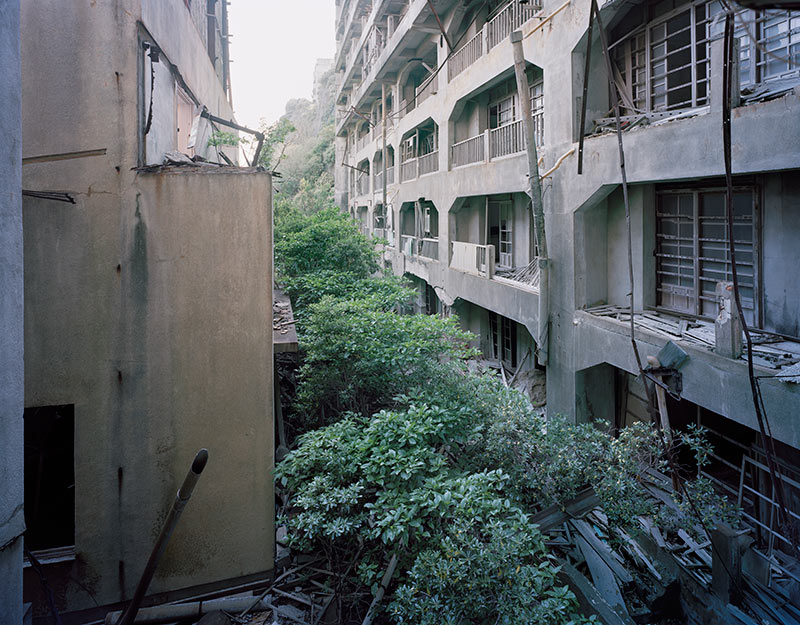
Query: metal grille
point(664, 64)
point(692, 250)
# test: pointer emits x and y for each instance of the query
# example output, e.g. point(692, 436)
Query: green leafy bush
point(496, 572)
point(392, 483)
point(327, 240)
point(358, 356)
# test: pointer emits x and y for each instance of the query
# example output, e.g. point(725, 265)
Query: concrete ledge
point(709, 380)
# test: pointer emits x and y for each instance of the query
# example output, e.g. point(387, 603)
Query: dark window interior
point(49, 477)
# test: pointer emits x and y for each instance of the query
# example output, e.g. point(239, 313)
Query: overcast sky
point(274, 48)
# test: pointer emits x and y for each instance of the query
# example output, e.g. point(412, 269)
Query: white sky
point(274, 48)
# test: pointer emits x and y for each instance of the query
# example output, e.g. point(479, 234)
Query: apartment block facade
point(431, 157)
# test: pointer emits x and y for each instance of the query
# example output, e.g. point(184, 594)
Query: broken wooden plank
point(694, 548)
point(294, 597)
point(553, 516)
point(603, 577)
point(603, 550)
point(591, 599)
point(740, 616)
point(637, 554)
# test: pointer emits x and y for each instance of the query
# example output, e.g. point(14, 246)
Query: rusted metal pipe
point(181, 498)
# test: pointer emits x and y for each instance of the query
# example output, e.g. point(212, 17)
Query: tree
point(276, 140)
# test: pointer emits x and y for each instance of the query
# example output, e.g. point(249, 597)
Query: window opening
point(379, 217)
point(501, 232)
point(692, 251)
point(504, 339)
point(49, 477)
point(537, 110)
point(664, 64)
point(502, 112)
point(431, 301)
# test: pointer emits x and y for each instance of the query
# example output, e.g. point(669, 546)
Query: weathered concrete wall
point(183, 362)
point(147, 307)
point(12, 521)
point(781, 233)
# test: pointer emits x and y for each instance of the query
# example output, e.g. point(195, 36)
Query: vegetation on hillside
point(299, 148)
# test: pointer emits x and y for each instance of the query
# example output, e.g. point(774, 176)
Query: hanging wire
point(758, 402)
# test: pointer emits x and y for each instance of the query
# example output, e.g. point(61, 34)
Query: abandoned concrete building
point(431, 157)
point(147, 306)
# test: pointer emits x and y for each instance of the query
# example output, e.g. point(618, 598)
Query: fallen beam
point(182, 611)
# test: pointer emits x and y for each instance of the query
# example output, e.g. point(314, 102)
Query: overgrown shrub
point(358, 355)
point(326, 240)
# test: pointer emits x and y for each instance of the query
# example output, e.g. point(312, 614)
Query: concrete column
point(726, 562)
point(12, 397)
point(728, 325)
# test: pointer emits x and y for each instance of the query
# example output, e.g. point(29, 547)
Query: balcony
point(408, 170)
point(379, 178)
point(472, 258)
point(508, 139)
point(428, 163)
point(362, 142)
point(426, 89)
point(465, 56)
point(507, 21)
point(470, 151)
point(425, 248)
point(362, 184)
point(494, 32)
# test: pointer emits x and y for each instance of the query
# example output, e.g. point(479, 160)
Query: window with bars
point(664, 64)
point(692, 252)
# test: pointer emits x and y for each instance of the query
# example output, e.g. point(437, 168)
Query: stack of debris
point(666, 577)
point(282, 316)
point(302, 595)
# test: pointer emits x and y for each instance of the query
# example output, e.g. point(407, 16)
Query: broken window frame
point(698, 256)
point(634, 59)
point(639, 55)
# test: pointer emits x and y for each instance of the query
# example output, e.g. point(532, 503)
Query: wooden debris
point(603, 577)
